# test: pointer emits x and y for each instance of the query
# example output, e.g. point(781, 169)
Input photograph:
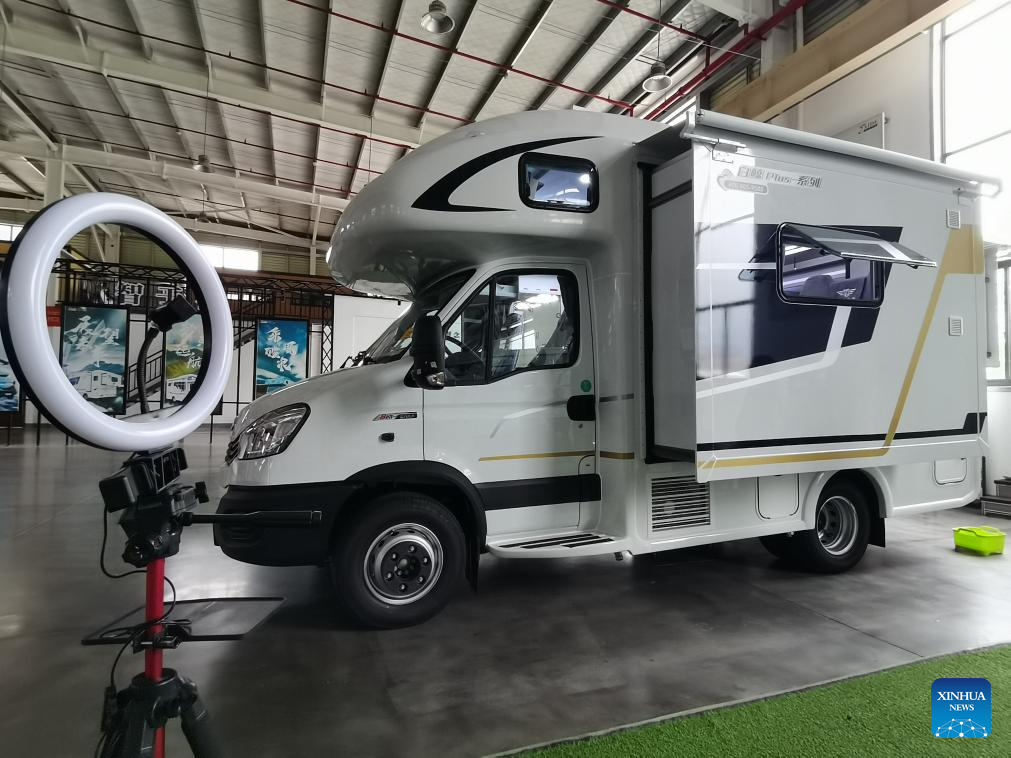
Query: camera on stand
point(154, 506)
point(153, 503)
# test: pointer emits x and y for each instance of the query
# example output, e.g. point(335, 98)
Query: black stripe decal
point(973, 424)
point(549, 490)
point(436, 197)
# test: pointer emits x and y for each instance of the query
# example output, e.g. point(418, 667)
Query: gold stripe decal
point(962, 255)
point(617, 456)
point(529, 456)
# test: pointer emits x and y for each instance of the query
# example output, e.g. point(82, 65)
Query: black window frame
point(582, 165)
point(452, 381)
point(878, 276)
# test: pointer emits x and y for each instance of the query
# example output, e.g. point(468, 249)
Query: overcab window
point(558, 182)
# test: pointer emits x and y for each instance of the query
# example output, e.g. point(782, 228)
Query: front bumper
point(278, 545)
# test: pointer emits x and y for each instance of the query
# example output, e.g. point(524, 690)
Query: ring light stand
point(154, 506)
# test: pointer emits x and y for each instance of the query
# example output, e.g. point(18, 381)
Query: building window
point(10, 232)
point(973, 132)
point(975, 127)
point(241, 258)
point(997, 361)
point(558, 183)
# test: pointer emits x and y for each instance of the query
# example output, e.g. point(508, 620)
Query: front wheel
point(842, 531)
point(399, 562)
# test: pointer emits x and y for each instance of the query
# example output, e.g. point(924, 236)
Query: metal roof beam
point(198, 19)
point(12, 102)
point(64, 50)
point(514, 56)
point(145, 44)
point(574, 60)
point(262, 19)
point(743, 11)
point(681, 55)
point(462, 27)
point(379, 85)
point(165, 170)
point(645, 41)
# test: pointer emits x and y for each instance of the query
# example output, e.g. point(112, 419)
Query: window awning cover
point(848, 244)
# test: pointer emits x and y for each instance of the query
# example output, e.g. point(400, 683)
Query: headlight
point(272, 432)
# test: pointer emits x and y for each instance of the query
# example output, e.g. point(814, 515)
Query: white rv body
point(96, 384)
point(719, 407)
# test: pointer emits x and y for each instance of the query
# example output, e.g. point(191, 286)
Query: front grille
point(231, 451)
point(677, 502)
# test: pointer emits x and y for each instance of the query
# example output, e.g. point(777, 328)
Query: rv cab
point(626, 337)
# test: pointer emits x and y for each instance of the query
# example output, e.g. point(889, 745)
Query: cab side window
point(467, 340)
point(519, 321)
point(534, 323)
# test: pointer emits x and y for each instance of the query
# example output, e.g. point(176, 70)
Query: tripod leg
point(197, 728)
point(136, 737)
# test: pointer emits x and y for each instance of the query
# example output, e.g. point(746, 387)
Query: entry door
point(517, 351)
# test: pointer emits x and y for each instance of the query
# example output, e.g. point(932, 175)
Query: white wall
point(357, 321)
point(897, 84)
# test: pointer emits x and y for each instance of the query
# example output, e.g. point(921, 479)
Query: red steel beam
point(654, 20)
point(452, 51)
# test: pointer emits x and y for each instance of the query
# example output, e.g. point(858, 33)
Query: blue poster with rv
point(184, 352)
point(282, 349)
point(10, 392)
point(93, 345)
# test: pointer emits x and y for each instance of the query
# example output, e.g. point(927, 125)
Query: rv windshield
point(393, 342)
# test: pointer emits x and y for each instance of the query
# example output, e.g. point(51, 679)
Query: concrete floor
point(546, 650)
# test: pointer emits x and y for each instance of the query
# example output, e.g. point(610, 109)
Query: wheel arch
point(870, 482)
point(437, 480)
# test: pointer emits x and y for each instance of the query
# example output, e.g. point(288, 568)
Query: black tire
point(843, 528)
point(415, 535)
point(778, 544)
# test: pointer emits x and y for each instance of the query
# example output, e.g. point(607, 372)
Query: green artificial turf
point(884, 714)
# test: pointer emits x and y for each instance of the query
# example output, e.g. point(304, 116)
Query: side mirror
point(428, 348)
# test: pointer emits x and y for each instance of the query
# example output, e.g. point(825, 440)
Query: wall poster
point(184, 351)
point(10, 390)
point(282, 348)
point(93, 353)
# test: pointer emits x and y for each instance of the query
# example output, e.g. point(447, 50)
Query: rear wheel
point(842, 530)
point(399, 562)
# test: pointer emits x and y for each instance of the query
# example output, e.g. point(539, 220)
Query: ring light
point(23, 321)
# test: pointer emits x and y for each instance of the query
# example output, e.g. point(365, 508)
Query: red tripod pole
point(154, 609)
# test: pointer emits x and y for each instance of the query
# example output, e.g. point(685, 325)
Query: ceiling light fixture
point(658, 81)
point(437, 20)
point(202, 163)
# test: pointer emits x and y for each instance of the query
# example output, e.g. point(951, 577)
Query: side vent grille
point(677, 502)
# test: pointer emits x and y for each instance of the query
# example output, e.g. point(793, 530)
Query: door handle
point(582, 407)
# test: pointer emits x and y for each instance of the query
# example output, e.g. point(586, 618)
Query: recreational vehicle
point(96, 384)
point(178, 389)
point(626, 337)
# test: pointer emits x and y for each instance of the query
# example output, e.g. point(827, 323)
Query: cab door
point(518, 351)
